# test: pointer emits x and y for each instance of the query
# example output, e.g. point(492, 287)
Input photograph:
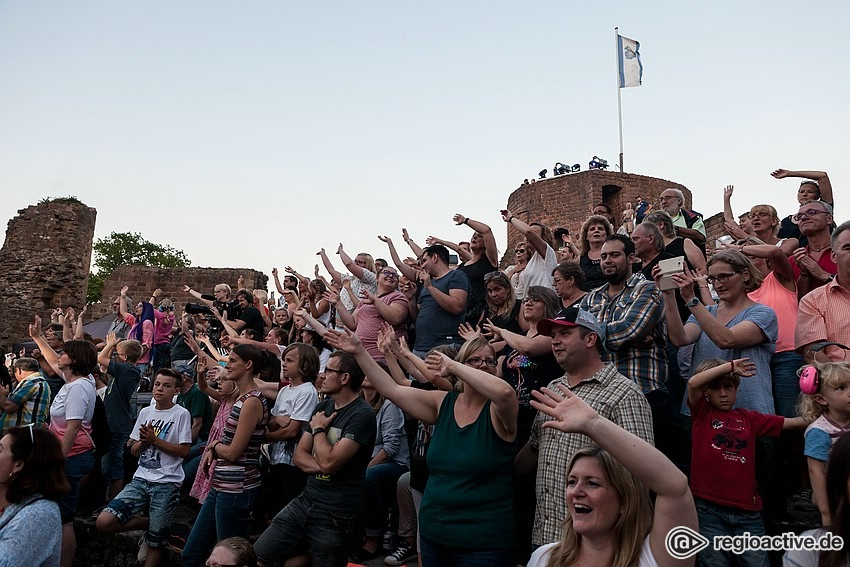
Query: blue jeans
point(76, 468)
point(381, 481)
point(786, 383)
point(162, 497)
point(438, 555)
point(192, 462)
point(112, 463)
point(223, 515)
point(303, 525)
point(717, 520)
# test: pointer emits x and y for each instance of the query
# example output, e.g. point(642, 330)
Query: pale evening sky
point(250, 134)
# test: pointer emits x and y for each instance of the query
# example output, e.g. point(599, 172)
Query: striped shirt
point(242, 474)
point(32, 396)
point(615, 398)
point(824, 315)
point(635, 333)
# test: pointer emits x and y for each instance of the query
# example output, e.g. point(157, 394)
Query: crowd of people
point(568, 409)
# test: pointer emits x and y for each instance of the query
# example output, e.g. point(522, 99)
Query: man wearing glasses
point(688, 223)
point(813, 265)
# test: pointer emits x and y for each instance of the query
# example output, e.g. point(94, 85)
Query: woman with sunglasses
point(737, 327)
point(514, 272)
point(467, 509)
point(31, 484)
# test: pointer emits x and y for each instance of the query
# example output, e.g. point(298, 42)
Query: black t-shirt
point(253, 320)
point(123, 380)
point(476, 302)
point(343, 491)
point(592, 269)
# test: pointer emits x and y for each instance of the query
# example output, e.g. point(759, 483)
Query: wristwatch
point(693, 302)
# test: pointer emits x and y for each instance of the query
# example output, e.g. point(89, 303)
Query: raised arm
point(728, 216)
point(79, 331)
point(505, 404)
point(355, 270)
point(417, 250)
point(530, 346)
point(821, 177)
point(421, 404)
point(462, 254)
point(326, 262)
point(490, 248)
point(50, 356)
point(743, 367)
point(778, 262)
point(105, 355)
point(405, 270)
point(530, 236)
point(68, 324)
point(674, 505)
point(196, 294)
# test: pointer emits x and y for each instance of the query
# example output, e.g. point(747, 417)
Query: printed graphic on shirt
point(729, 439)
point(150, 457)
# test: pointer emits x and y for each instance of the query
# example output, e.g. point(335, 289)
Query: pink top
point(784, 302)
point(147, 336)
point(164, 326)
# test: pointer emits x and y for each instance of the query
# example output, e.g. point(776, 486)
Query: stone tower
point(44, 263)
point(567, 200)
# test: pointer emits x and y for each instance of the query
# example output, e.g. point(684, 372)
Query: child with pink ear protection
point(826, 401)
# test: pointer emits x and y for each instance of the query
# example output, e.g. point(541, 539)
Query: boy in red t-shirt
point(723, 467)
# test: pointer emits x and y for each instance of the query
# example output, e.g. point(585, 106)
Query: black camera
point(195, 309)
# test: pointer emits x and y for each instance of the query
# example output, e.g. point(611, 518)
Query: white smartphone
point(669, 267)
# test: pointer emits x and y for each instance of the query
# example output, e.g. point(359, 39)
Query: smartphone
point(669, 267)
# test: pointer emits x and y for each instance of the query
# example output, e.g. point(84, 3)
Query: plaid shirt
point(615, 398)
point(32, 396)
point(635, 333)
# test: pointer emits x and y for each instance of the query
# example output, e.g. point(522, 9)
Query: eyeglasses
point(722, 278)
point(809, 214)
point(519, 251)
point(334, 370)
point(390, 274)
point(762, 214)
point(492, 275)
point(478, 361)
point(531, 300)
point(221, 565)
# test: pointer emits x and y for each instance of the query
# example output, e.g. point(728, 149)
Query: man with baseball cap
point(576, 345)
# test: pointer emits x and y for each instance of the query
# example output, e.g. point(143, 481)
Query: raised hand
point(460, 219)
point(386, 239)
point(339, 249)
point(569, 413)
point(186, 288)
point(506, 215)
point(438, 363)
point(343, 340)
point(727, 191)
point(404, 235)
point(111, 339)
point(35, 328)
point(274, 272)
point(467, 331)
point(430, 241)
point(744, 367)
point(780, 173)
point(124, 291)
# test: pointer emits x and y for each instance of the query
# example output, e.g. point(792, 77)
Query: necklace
point(818, 249)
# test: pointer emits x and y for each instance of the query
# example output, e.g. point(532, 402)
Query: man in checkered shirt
point(576, 346)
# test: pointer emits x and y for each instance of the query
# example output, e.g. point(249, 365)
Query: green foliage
point(129, 249)
point(72, 199)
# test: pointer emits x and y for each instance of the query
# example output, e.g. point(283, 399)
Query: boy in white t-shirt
point(161, 438)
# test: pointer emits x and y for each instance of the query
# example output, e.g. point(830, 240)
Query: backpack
point(100, 434)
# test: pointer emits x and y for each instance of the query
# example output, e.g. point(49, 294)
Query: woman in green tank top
point(467, 509)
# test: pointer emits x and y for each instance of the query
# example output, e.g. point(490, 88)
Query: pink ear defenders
point(809, 375)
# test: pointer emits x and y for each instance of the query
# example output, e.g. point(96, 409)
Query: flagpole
point(619, 97)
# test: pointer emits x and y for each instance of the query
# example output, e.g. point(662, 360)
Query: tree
point(128, 249)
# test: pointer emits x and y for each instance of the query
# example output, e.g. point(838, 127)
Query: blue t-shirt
point(435, 326)
point(756, 392)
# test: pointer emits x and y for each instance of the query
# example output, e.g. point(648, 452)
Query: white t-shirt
point(75, 400)
point(541, 556)
point(298, 402)
point(369, 281)
point(538, 271)
point(173, 425)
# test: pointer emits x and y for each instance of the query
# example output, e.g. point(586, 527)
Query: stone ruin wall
point(567, 200)
point(143, 280)
point(44, 263)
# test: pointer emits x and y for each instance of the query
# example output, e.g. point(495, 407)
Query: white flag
point(628, 59)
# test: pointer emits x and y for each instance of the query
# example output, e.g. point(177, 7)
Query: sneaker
point(143, 549)
point(401, 555)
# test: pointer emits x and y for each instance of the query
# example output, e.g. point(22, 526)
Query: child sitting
point(723, 468)
point(830, 410)
point(161, 439)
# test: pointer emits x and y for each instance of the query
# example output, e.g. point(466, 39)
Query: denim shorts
point(76, 468)
point(162, 497)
